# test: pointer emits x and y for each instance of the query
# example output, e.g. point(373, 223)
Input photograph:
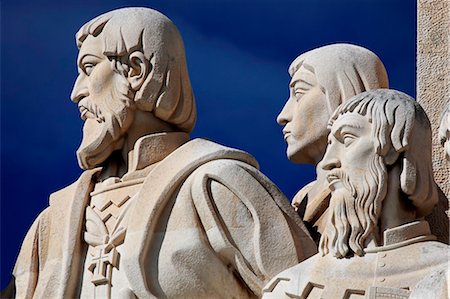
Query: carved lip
point(333, 177)
point(286, 135)
point(85, 113)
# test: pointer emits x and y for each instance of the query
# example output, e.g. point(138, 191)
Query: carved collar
point(151, 149)
point(403, 235)
point(155, 147)
point(148, 151)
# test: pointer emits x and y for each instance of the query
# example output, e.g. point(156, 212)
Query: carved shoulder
point(243, 215)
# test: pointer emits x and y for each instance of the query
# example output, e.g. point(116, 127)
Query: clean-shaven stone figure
point(322, 79)
point(155, 215)
point(375, 242)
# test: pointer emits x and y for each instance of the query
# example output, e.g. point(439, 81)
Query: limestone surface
point(154, 214)
point(433, 85)
point(375, 243)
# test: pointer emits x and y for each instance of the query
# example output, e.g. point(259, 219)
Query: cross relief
point(102, 263)
point(103, 238)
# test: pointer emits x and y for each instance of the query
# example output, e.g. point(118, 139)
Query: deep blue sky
point(237, 52)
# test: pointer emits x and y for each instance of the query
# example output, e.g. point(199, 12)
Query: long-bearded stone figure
point(155, 215)
point(375, 241)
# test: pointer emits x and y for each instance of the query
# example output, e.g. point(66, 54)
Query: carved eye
point(88, 67)
point(348, 139)
point(298, 93)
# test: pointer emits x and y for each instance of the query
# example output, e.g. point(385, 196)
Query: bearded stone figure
point(154, 215)
point(376, 243)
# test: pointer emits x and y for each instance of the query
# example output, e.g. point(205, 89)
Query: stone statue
point(375, 243)
point(322, 79)
point(154, 215)
point(444, 131)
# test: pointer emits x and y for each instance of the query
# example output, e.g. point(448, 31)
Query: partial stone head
point(379, 147)
point(444, 131)
point(130, 59)
point(322, 79)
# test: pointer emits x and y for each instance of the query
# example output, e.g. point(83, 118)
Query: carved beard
point(107, 121)
point(354, 210)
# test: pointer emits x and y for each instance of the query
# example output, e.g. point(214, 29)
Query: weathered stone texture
point(433, 74)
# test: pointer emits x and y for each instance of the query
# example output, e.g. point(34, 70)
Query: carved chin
point(306, 150)
point(308, 154)
point(97, 144)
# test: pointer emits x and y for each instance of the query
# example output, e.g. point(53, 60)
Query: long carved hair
point(400, 124)
point(167, 89)
point(343, 71)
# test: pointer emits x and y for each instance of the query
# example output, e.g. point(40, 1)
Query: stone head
point(444, 131)
point(379, 146)
point(132, 74)
point(321, 80)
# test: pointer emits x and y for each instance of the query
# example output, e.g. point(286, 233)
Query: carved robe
point(409, 255)
point(205, 224)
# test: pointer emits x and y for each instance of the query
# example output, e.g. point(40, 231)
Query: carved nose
point(330, 164)
point(79, 90)
point(284, 117)
point(330, 161)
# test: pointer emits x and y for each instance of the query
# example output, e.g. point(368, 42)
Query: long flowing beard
point(354, 211)
point(103, 131)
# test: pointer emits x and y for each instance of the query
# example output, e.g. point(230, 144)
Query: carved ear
point(139, 68)
point(391, 157)
point(408, 177)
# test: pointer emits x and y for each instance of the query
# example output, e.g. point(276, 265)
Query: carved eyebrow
point(301, 81)
point(350, 125)
point(305, 77)
point(80, 61)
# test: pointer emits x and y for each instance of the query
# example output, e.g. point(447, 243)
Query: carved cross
point(102, 264)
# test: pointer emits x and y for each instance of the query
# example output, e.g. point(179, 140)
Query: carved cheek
point(361, 154)
point(101, 78)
